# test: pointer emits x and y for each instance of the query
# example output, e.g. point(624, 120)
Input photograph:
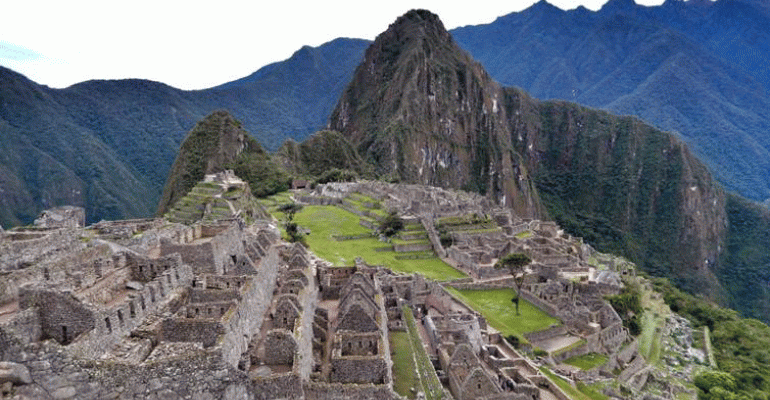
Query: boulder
point(14, 373)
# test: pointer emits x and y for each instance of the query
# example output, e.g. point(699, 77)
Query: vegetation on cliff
point(740, 345)
point(216, 143)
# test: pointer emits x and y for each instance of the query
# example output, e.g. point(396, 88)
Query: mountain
point(216, 143)
point(109, 145)
point(421, 109)
point(419, 106)
point(321, 153)
point(696, 68)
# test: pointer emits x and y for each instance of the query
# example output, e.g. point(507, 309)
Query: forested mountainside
point(109, 145)
point(697, 68)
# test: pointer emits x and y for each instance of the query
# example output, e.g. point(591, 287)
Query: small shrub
point(391, 225)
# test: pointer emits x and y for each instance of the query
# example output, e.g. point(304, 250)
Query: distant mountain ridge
point(109, 145)
point(698, 68)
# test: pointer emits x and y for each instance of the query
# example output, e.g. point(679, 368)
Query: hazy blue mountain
point(697, 68)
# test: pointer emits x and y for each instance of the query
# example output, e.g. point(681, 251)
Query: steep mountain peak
point(544, 6)
point(417, 22)
point(422, 110)
point(618, 5)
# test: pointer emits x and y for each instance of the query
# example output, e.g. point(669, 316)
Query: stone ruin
point(221, 307)
point(62, 217)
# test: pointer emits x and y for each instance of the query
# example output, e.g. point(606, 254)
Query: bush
point(337, 175)
point(391, 225)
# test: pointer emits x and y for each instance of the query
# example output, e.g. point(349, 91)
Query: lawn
point(404, 377)
point(587, 361)
point(325, 222)
point(582, 392)
point(426, 373)
point(496, 306)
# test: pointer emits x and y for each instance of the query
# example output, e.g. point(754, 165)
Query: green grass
point(581, 392)
point(325, 222)
point(524, 234)
point(404, 377)
point(587, 361)
point(496, 306)
point(652, 321)
point(426, 373)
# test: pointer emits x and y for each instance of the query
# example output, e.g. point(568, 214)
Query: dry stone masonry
point(210, 303)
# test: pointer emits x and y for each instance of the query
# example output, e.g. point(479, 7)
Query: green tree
point(290, 209)
point(392, 224)
point(515, 263)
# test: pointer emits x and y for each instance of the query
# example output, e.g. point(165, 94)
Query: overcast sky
point(195, 44)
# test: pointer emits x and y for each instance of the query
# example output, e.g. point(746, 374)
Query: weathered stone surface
point(134, 285)
point(14, 373)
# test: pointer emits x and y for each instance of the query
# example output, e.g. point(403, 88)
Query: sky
point(194, 44)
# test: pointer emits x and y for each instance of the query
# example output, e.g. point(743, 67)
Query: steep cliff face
point(422, 111)
point(625, 187)
point(420, 108)
point(321, 152)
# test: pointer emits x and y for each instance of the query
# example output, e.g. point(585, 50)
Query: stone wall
point(546, 334)
point(112, 324)
point(201, 375)
point(407, 247)
point(358, 369)
point(246, 319)
point(277, 386)
point(308, 301)
point(62, 217)
point(336, 391)
point(205, 331)
point(218, 252)
point(280, 348)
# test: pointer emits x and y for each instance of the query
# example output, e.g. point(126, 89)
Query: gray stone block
point(14, 373)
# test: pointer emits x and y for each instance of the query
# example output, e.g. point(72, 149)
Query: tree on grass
point(290, 209)
point(515, 263)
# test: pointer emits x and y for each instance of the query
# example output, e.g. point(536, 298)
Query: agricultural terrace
point(336, 236)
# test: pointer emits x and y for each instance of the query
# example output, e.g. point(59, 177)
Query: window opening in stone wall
point(64, 334)
point(120, 317)
point(141, 299)
point(131, 310)
point(107, 323)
